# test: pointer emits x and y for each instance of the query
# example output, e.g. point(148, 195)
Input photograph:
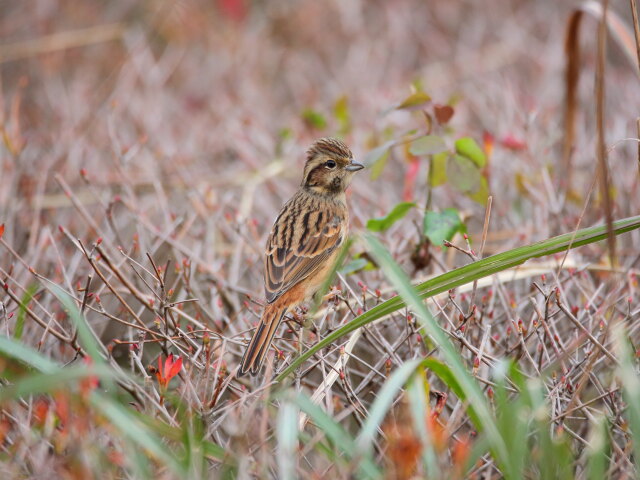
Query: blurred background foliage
point(154, 141)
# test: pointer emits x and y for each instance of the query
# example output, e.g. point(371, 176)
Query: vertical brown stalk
point(638, 133)
point(571, 75)
point(636, 28)
point(601, 151)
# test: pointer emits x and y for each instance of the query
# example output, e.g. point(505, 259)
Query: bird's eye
point(330, 164)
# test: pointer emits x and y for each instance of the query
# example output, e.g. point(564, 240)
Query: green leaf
point(354, 265)
point(414, 100)
point(376, 159)
point(378, 166)
point(314, 118)
point(285, 133)
point(444, 373)
point(463, 174)
point(383, 223)
point(442, 226)
point(341, 112)
point(24, 304)
point(438, 171)
point(467, 147)
point(374, 155)
point(482, 194)
point(427, 145)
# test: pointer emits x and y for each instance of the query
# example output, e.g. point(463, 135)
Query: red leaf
point(443, 113)
point(410, 179)
point(234, 9)
point(175, 369)
point(172, 366)
point(513, 143)
point(1, 230)
point(167, 365)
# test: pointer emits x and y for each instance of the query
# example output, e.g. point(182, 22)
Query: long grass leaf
point(135, 431)
point(55, 381)
point(467, 274)
point(287, 433)
point(630, 385)
point(598, 449)
point(336, 434)
point(84, 332)
point(417, 392)
point(13, 349)
point(383, 402)
point(22, 313)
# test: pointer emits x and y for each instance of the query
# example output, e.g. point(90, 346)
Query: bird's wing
point(300, 242)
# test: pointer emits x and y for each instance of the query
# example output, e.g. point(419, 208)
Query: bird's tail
point(263, 336)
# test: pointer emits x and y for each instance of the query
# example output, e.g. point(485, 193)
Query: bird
point(304, 242)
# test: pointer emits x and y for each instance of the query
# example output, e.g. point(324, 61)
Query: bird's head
point(329, 167)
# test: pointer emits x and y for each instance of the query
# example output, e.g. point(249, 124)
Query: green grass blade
point(27, 355)
point(85, 335)
point(467, 274)
point(94, 349)
point(336, 434)
point(417, 392)
point(212, 450)
point(287, 433)
point(54, 381)
point(513, 419)
point(383, 402)
point(598, 449)
point(630, 385)
point(51, 377)
point(136, 432)
point(22, 313)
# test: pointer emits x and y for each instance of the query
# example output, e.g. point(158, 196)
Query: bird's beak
point(354, 167)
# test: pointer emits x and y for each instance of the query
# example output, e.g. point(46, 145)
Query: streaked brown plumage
point(304, 241)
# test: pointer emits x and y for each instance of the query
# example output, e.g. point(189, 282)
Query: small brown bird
point(304, 241)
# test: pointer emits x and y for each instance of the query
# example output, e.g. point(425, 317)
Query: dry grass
point(146, 149)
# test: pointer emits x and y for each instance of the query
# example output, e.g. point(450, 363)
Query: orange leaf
point(159, 373)
point(488, 141)
point(175, 369)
